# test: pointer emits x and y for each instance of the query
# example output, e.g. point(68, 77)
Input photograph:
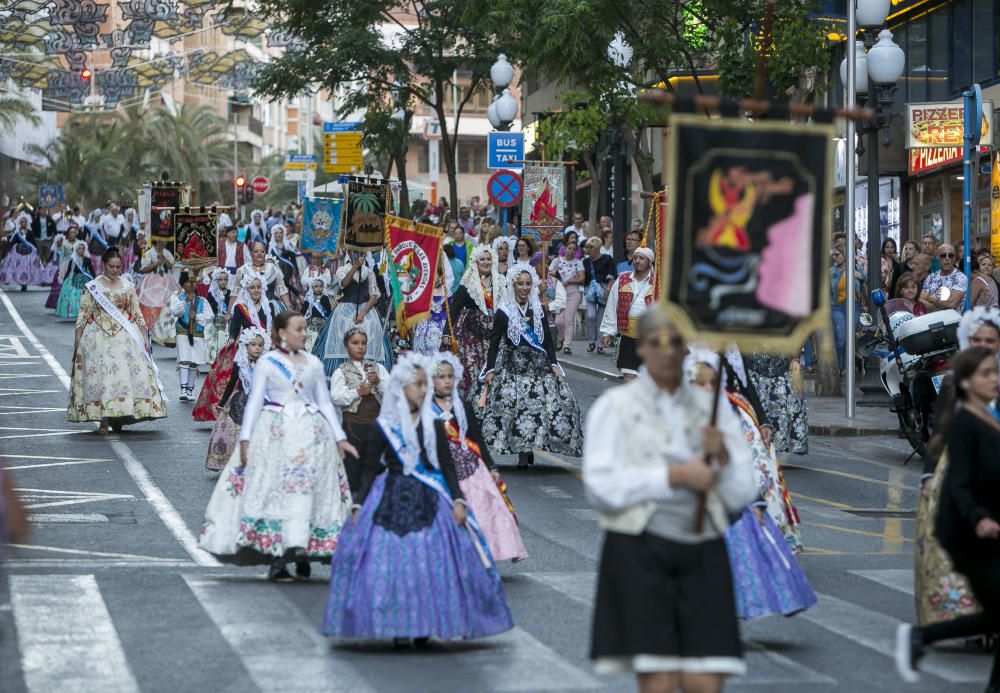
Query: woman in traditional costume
point(114, 379)
point(472, 310)
point(429, 335)
point(158, 285)
point(527, 404)
point(357, 388)
point(217, 331)
point(318, 270)
point(274, 280)
point(22, 264)
point(503, 253)
point(761, 544)
point(478, 476)
point(359, 294)
point(50, 272)
point(79, 270)
point(775, 378)
point(252, 343)
point(252, 309)
point(284, 497)
point(317, 309)
point(54, 270)
point(285, 259)
point(413, 563)
point(193, 314)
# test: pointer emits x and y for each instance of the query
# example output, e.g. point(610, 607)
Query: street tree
point(373, 51)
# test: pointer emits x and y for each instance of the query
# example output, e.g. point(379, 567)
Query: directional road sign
point(342, 147)
point(300, 162)
point(505, 148)
point(504, 188)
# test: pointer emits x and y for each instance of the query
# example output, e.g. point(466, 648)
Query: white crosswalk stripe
point(67, 639)
point(899, 579)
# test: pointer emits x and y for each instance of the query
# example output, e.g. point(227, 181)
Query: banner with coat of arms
point(414, 250)
point(321, 224)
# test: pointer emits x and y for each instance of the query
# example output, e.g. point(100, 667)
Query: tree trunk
point(643, 163)
point(404, 190)
point(595, 178)
point(448, 143)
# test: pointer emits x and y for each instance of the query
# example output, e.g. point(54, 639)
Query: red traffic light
point(85, 73)
point(241, 181)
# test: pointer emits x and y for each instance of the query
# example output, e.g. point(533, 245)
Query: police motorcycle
point(914, 356)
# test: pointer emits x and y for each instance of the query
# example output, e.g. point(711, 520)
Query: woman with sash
point(284, 497)
point(61, 250)
point(478, 476)
point(79, 270)
point(217, 331)
point(413, 564)
point(253, 342)
point(317, 309)
point(252, 309)
point(114, 379)
point(527, 404)
point(158, 285)
point(96, 242)
point(274, 280)
point(356, 308)
point(192, 314)
point(472, 309)
point(284, 256)
point(22, 264)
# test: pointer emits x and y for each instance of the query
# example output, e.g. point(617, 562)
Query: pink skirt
point(493, 516)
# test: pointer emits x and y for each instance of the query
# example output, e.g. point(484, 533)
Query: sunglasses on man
point(946, 255)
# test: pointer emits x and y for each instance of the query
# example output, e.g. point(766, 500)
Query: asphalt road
point(111, 593)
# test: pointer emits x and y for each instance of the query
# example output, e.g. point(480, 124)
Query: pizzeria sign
point(942, 125)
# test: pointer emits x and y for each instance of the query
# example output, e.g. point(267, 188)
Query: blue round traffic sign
point(504, 188)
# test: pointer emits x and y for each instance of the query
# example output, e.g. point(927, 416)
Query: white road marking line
point(85, 552)
point(36, 563)
point(67, 639)
point(581, 587)
point(39, 432)
point(161, 504)
point(273, 640)
point(50, 457)
point(899, 579)
point(765, 667)
point(21, 391)
point(13, 347)
point(67, 518)
point(52, 464)
point(35, 498)
point(538, 666)
point(553, 492)
point(21, 376)
point(877, 631)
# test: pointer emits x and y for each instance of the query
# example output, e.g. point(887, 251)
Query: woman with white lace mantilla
point(527, 404)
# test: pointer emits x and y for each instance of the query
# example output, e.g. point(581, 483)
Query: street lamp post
point(503, 110)
point(877, 72)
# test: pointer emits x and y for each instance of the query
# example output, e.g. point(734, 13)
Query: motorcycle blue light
point(878, 297)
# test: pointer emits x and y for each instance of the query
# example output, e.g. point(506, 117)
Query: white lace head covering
point(696, 356)
point(249, 277)
point(213, 288)
point(449, 274)
point(396, 420)
point(273, 247)
point(470, 280)
point(457, 408)
point(735, 359)
point(515, 318)
point(973, 320)
point(243, 359)
point(255, 213)
point(510, 242)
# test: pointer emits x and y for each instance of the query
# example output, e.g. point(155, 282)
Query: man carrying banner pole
point(629, 299)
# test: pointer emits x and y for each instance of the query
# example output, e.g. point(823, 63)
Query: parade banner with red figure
point(543, 200)
point(745, 253)
point(414, 250)
point(195, 234)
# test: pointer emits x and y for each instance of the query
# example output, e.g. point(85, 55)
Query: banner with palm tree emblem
point(366, 208)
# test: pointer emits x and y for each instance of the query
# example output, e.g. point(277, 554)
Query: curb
point(843, 431)
point(589, 370)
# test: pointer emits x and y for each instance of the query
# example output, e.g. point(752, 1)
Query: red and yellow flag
point(414, 251)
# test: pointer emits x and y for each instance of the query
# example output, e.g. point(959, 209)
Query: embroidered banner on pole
point(414, 250)
point(321, 224)
point(196, 236)
point(367, 204)
point(745, 257)
point(544, 200)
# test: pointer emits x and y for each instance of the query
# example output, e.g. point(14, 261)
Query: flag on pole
point(413, 251)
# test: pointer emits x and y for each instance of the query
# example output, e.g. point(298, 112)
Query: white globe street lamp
point(886, 60)
point(491, 114)
point(860, 73)
point(503, 110)
point(506, 107)
point(502, 72)
point(872, 13)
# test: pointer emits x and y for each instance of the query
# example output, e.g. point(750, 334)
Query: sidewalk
point(827, 415)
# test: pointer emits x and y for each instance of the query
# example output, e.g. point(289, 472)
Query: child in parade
point(317, 309)
point(193, 314)
point(357, 388)
point(217, 332)
point(478, 476)
point(254, 341)
point(411, 564)
point(79, 270)
point(284, 497)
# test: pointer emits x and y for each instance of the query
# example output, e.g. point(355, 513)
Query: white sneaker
point(185, 395)
point(906, 654)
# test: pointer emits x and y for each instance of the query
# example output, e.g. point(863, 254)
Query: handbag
point(595, 292)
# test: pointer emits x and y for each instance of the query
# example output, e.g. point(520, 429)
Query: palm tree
point(191, 144)
point(14, 107)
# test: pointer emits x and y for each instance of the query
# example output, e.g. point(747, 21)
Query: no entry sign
point(504, 189)
point(260, 184)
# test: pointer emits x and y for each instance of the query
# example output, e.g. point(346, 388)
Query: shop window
point(983, 65)
point(937, 73)
point(961, 46)
point(916, 57)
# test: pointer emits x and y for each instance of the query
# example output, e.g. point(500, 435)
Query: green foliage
point(14, 107)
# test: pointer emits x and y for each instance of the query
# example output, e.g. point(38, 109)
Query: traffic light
point(241, 188)
point(86, 74)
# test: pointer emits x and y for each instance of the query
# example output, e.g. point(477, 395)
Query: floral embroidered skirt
point(225, 432)
point(404, 568)
point(215, 384)
point(329, 346)
point(112, 379)
point(529, 408)
point(22, 266)
point(766, 577)
point(485, 500)
point(472, 332)
point(786, 412)
point(941, 593)
point(68, 303)
point(216, 337)
point(292, 493)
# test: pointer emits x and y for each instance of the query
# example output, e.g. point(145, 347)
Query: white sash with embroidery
point(111, 309)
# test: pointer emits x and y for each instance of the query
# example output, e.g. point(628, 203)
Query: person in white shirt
point(231, 254)
point(665, 608)
point(357, 388)
point(113, 225)
point(631, 295)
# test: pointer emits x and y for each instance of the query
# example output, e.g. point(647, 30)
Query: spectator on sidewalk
point(910, 250)
point(571, 273)
point(600, 273)
point(838, 301)
point(948, 277)
point(929, 247)
point(985, 291)
point(633, 239)
point(630, 297)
